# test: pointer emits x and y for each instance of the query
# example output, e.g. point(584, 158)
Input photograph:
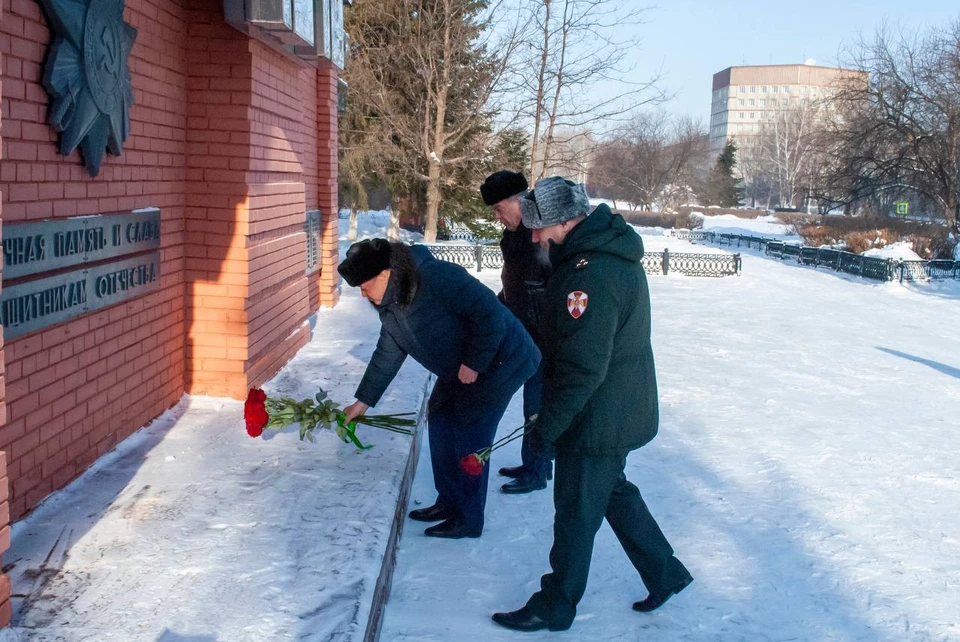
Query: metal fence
point(864, 266)
point(490, 257)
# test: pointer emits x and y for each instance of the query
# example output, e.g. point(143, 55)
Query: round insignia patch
point(577, 303)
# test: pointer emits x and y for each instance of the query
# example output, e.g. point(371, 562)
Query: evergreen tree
point(421, 75)
point(723, 188)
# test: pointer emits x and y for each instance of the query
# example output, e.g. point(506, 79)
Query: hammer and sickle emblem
point(109, 53)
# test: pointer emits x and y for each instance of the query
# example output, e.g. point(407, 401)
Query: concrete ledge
point(385, 580)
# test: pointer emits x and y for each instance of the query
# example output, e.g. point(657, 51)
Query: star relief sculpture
point(88, 78)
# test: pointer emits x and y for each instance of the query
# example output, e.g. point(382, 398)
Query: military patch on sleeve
point(582, 263)
point(577, 303)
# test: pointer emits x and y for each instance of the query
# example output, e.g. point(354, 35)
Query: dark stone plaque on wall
point(88, 78)
point(37, 304)
point(32, 248)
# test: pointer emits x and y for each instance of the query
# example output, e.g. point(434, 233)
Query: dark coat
point(441, 316)
point(524, 278)
point(600, 385)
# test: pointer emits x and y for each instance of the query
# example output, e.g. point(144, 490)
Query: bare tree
point(574, 45)
point(901, 130)
point(786, 148)
point(652, 162)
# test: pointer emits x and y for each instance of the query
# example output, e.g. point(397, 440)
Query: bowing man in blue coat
point(455, 327)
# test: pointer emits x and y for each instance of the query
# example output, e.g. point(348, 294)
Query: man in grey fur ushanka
point(455, 327)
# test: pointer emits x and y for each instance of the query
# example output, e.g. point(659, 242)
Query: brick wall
point(5, 605)
point(75, 390)
point(327, 286)
point(253, 157)
point(228, 139)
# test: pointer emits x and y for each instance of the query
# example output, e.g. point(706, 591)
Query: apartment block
point(744, 98)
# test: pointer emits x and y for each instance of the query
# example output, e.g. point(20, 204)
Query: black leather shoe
point(525, 484)
point(431, 514)
point(656, 600)
point(512, 471)
point(524, 620)
point(453, 528)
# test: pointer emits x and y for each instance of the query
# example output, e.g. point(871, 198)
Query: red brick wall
point(78, 388)
point(253, 159)
point(224, 140)
point(326, 285)
point(5, 606)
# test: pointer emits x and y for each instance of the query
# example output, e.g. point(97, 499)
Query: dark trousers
point(587, 489)
point(457, 428)
point(533, 461)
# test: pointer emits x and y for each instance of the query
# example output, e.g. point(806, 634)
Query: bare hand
point(354, 410)
point(467, 375)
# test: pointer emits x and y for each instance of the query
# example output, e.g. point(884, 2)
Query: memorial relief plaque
point(88, 77)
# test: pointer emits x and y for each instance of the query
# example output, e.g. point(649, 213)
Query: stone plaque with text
point(32, 248)
point(36, 304)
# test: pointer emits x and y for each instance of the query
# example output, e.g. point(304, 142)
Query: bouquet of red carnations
point(261, 411)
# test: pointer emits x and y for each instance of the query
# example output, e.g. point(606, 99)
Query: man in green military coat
point(599, 401)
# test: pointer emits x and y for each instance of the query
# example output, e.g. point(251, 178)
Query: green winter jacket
point(600, 385)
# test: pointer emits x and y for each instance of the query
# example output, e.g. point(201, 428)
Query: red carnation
point(255, 412)
point(472, 464)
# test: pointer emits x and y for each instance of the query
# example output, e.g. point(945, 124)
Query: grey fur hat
point(553, 201)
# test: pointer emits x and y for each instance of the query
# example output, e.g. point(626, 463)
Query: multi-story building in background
point(745, 98)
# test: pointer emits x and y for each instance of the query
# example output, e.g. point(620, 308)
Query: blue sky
point(691, 40)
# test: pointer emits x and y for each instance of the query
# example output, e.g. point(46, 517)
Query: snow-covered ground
point(766, 226)
point(806, 472)
point(192, 531)
point(900, 251)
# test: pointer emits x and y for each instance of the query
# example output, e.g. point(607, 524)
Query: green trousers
point(587, 489)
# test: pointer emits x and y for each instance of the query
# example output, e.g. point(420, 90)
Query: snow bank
point(900, 251)
point(766, 226)
point(373, 224)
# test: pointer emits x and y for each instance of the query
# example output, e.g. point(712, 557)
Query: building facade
point(190, 262)
point(746, 98)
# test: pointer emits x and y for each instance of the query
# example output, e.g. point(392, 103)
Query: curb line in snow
point(382, 591)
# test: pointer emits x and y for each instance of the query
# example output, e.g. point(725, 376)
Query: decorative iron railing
point(465, 255)
point(867, 267)
point(490, 257)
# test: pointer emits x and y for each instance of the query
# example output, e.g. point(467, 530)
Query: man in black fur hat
point(453, 326)
point(524, 277)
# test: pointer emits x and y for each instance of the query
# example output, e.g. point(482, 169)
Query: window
point(786, 89)
point(740, 116)
point(753, 89)
point(763, 102)
point(774, 89)
point(763, 89)
point(752, 114)
point(742, 90)
point(741, 102)
point(753, 102)
point(784, 102)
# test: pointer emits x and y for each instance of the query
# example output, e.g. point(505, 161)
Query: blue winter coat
point(441, 316)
